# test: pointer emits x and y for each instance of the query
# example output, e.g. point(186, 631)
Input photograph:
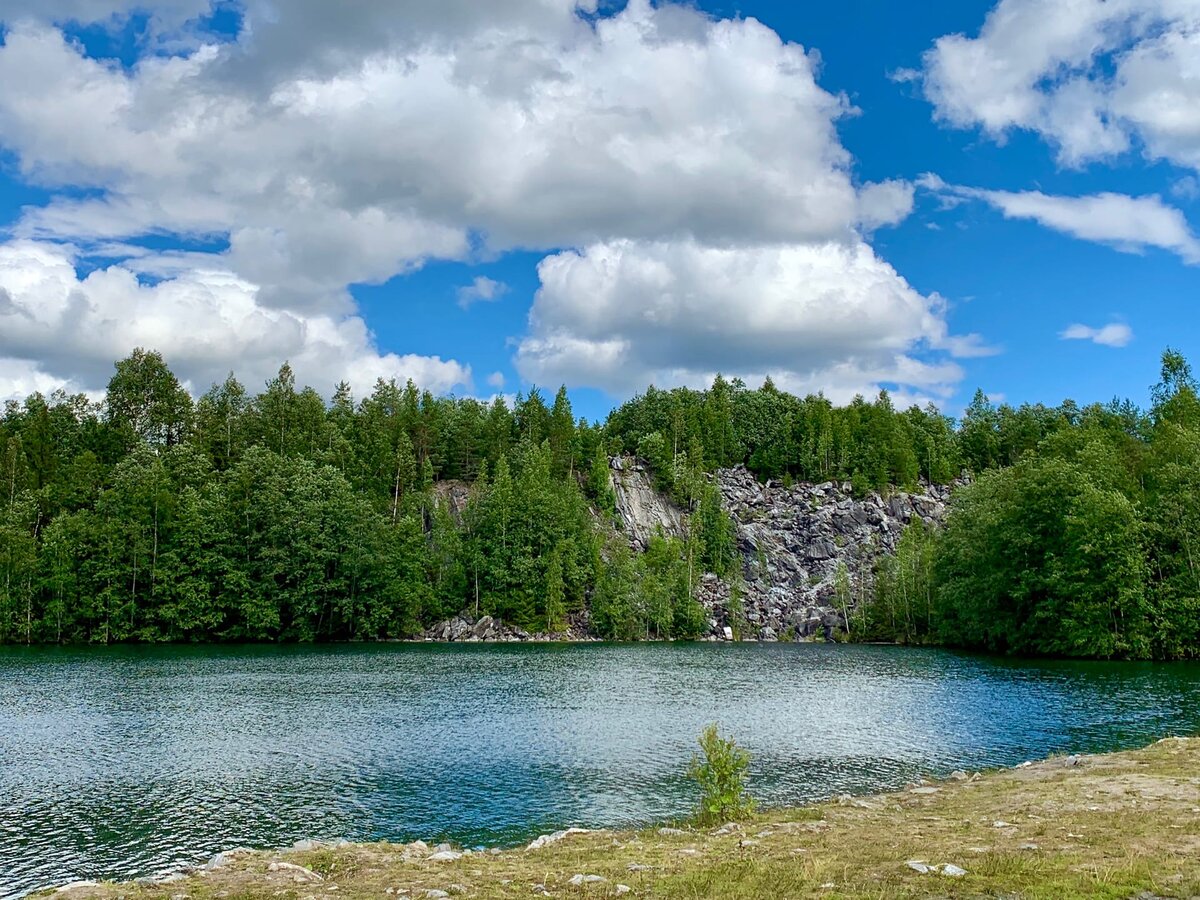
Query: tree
point(145, 399)
point(556, 612)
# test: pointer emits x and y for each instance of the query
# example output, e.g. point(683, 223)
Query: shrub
point(721, 775)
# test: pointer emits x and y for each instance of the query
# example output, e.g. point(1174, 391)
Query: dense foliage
point(280, 516)
point(1087, 545)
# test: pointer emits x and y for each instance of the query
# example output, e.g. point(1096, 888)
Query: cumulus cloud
point(1130, 224)
point(59, 329)
point(1091, 76)
point(330, 145)
point(1115, 334)
point(481, 290)
point(524, 140)
point(884, 203)
point(828, 316)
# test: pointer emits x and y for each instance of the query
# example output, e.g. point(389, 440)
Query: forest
point(283, 515)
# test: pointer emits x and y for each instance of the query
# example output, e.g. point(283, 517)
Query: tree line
point(1086, 544)
point(280, 516)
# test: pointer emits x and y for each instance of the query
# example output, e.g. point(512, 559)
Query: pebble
point(578, 880)
point(953, 871)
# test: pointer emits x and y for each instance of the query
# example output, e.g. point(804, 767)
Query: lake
point(119, 763)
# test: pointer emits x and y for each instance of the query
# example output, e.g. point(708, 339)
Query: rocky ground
point(793, 540)
point(465, 628)
point(1125, 825)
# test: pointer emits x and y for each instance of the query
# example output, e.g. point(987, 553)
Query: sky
point(929, 198)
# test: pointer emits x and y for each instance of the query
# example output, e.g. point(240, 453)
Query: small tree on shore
point(721, 775)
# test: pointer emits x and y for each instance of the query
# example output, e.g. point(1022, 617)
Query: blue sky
point(650, 193)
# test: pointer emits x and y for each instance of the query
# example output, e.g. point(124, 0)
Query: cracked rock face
point(793, 540)
point(641, 509)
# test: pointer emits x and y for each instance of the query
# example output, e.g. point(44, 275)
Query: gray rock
point(579, 880)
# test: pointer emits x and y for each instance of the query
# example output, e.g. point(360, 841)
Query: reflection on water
point(121, 763)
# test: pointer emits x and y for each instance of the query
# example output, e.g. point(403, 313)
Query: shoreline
point(1110, 825)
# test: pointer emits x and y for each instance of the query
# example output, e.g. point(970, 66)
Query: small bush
point(721, 775)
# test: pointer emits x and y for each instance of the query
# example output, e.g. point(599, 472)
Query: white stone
point(445, 856)
point(555, 837)
point(953, 871)
point(579, 880)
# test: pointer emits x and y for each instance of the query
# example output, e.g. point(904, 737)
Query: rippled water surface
point(122, 763)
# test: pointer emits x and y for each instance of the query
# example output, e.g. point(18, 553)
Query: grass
point(1124, 825)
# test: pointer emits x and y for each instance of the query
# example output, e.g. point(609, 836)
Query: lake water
point(127, 762)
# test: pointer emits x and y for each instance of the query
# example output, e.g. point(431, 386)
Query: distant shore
point(1113, 825)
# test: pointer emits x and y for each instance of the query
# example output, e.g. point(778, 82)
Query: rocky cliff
point(641, 510)
point(792, 540)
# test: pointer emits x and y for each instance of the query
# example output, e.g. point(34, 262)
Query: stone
point(622, 889)
point(953, 871)
point(669, 831)
point(308, 844)
point(727, 633)
point(553, 838)
point(918, 866)
point(580, 880)
point(923, 790)
point(225, 857)
point(75, 885)
point(445, 856)
point(435, 893)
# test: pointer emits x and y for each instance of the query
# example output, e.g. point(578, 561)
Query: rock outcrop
point(793, 540)
point(464, 628)
point(641, 509)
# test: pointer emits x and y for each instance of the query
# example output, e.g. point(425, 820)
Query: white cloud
point(481, 290)
point(1090, 76)
point(884, 203)
point(1115, 334)
point(1130, 224)
point(831, 316)
point(380, 159)
point(336, 144)
point(1186, 188)
point(56, 328)
point(496, 380)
